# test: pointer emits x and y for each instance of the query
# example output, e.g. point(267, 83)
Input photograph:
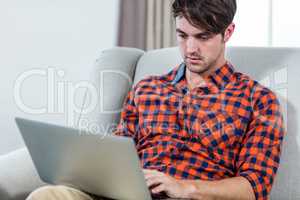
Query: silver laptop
point(105, 166)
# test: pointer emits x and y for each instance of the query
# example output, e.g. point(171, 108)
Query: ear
point(228, 32)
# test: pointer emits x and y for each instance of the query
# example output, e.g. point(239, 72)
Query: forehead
point(184, 25)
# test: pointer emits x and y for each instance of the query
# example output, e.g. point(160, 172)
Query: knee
point(47, 192)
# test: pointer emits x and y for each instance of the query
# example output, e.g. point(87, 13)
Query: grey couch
point(117, 67)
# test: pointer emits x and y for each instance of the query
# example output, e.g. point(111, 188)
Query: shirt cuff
point(257, 183)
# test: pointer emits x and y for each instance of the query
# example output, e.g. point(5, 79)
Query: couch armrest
point(18, 176)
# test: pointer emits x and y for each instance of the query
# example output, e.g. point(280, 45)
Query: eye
point(183, 36)
point(204, 37)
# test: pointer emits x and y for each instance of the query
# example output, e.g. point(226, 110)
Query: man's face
point(202, 51)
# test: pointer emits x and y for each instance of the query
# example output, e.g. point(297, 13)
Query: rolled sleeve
point(259, 156)
point(129, 118)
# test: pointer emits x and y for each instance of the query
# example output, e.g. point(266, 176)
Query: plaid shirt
point(230, 126)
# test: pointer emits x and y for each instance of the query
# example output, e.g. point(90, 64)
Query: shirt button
point(185, 91)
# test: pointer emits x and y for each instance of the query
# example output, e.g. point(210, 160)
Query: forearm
point(232, 188)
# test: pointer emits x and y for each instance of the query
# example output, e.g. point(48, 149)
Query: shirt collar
point(220, 77)
point(179, 73)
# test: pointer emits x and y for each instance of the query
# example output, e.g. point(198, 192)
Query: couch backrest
point(276, 68)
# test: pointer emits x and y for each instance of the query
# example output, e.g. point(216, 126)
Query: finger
point(155, 181)
point(148, 176)
point(158, 189)
point(153, 174)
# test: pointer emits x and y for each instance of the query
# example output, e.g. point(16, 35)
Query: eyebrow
point(205, 33)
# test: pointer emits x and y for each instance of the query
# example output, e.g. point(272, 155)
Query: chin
point(197, 68)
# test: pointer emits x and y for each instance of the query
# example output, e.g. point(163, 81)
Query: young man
point(202, 131)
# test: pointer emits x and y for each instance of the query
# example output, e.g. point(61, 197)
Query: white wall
point(66, 35)
point(267, 23)
point(286, 23)
point(252, 23)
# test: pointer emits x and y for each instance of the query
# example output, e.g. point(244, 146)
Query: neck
point(197, 79)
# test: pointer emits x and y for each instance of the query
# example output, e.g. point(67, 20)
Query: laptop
point(105, 166)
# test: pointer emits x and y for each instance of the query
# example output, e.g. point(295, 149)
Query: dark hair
point(212, 15)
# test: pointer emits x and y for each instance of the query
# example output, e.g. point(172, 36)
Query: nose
point(191, 45)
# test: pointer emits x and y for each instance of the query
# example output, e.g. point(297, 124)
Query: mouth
point(193, 60)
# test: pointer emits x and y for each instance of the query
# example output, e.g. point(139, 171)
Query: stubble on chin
point(199, 69)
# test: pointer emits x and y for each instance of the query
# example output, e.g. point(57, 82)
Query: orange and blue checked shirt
point(231, 126)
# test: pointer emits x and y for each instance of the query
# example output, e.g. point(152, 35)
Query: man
point(202, 131)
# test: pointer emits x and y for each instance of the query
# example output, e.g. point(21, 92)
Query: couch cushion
point(18, 175)
point(157, 62)
point(112, 77)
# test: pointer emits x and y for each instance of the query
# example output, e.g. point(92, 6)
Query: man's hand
point(229, 188)
point(160, 182)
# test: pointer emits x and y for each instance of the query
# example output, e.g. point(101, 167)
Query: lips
point(193, 60)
